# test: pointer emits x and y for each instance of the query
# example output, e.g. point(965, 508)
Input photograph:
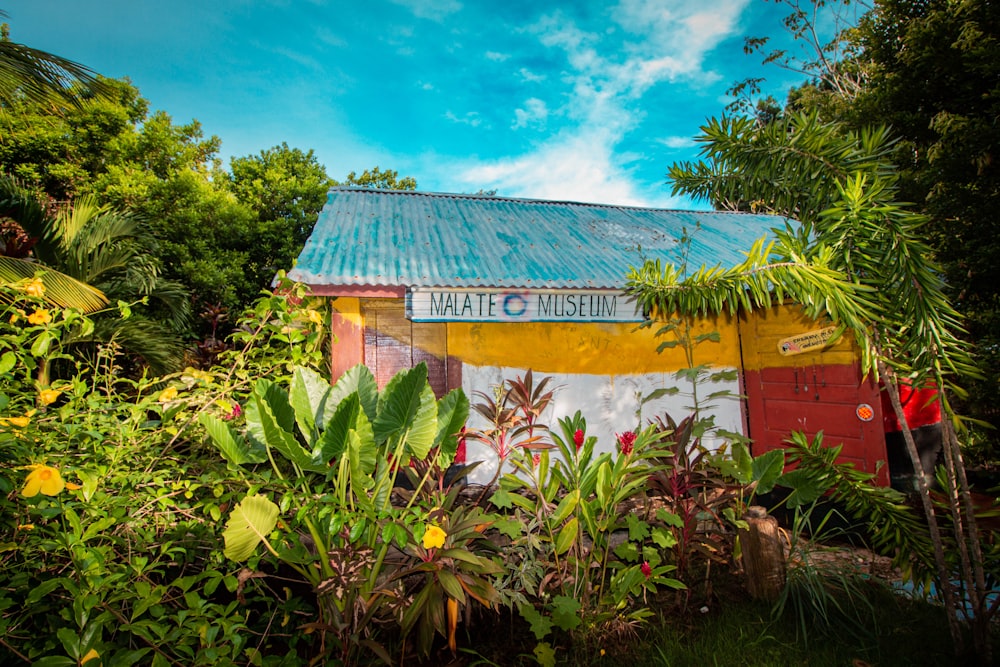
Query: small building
point(484, 288)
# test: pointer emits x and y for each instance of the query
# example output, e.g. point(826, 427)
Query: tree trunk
point(763, 554)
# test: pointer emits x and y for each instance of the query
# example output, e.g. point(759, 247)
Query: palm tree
point(90, 253)
point(39, 76)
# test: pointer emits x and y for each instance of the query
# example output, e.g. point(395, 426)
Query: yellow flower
point(19, 422)
point(35, 287)
point(40, 316)
point(314, 316)
point(26, 526)
point(167, 395)
point(44, 479)
point(48, 396)
point(191, 373)
point(434, 537)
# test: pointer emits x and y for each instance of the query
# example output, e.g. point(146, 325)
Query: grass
point(731, 630)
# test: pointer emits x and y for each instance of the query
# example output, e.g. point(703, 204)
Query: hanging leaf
point(248, 525)
point(407, 409)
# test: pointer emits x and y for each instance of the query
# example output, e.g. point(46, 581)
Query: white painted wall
point(608, 402)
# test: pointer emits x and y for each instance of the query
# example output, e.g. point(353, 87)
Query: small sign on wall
point(806, 342)
point(512, 305)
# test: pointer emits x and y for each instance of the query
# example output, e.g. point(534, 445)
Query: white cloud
point(434, 10)
point(497, 57)
point(676, 142)
point(535, 112)
point(472, 118)
point(608, 73)
point(530, 77)
point(581, 168)
point(329, 37)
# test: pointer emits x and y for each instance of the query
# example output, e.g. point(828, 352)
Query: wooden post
point(763, 556)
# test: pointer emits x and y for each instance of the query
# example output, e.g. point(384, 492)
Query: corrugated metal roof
point(417, 239)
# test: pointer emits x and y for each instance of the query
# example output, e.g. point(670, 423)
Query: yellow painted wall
point(618, 348)
point(349, 308)
point(592, 348)
point(763, 330)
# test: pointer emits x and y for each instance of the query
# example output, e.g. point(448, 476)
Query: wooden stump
point(763, 554)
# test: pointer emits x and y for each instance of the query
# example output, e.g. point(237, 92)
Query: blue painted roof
point(417, 239)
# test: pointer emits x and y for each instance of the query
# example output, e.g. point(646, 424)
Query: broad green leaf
point(234, 448)
point(358, 379)
point(407, 410)
point(663, 538)
point(451, 585)
point(248, 525)
point(566, 506)
point(7, 362)
point(567, 536)
point(741, 465)
point(277, 399)
point(767, 468)
point(452, 413)
point(804, 488)
point(541, 625)
point(362, 461)
point(41, 345)
point(545, 655)
point(308, 393)
point(282, 440)
point(565, 612)
point(603, 488)
point(348, 416)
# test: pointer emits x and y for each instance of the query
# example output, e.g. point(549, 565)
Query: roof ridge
point(549, 202)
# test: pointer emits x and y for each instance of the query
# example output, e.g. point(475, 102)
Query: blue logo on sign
point(514, 305)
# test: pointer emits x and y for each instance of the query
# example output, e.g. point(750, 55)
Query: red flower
point(236, 412)
point(646, 569)
point(625, 442)
point(578, 438)
point(460, 451)
point(536, 458)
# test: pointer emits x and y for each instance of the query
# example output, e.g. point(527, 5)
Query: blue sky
point(570, 100)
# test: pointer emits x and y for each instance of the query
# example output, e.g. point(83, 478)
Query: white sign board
point(505, 305)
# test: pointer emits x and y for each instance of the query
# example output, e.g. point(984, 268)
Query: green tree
point(110, 253)
point(286, 188)
point(928, 70)
point(844, 189)
point(383, 180)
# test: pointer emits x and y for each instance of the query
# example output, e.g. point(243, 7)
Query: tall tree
point(842, 187)
point(286, 188)
point(928, 70)
point(383, 180)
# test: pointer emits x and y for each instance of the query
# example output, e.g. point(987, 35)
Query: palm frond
point(60, 289)
point(41, 77)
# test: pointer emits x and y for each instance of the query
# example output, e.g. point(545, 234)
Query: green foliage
point(384, 180)
point(574, 505)
point(42, 77)
point(893, 527)
point(823, 598)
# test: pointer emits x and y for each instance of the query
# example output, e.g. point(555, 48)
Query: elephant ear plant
point(332, 455)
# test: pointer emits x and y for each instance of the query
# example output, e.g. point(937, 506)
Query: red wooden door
point(810, 392)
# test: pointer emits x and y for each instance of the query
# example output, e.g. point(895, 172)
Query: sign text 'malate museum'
point(504, 305)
